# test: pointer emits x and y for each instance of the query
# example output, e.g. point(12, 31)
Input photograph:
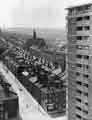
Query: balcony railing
point(79, 13)
point(83, 22)
point(85, 52)
point(85, 89)
point(84, 42)
point(82, 70)
point(82, 61)
point(79, 112)
point(80, 87)
point(83, 32)
point(85, 107)
point(78, 95)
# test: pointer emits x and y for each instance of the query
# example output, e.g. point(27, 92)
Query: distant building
point(35, 41)
point(80, 62)
point(34, 35)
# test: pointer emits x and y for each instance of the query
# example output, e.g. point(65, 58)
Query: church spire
point(34, 35)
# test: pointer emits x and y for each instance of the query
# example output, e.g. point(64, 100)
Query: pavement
point(29, 108)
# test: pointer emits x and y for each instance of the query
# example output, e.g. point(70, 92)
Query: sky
point(34, 13)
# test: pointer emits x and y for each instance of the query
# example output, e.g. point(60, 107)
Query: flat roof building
point(79, 35)
point(9, 105)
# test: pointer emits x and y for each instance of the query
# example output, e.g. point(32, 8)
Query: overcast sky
point(34, 13)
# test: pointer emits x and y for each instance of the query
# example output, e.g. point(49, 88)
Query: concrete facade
point(79, 35)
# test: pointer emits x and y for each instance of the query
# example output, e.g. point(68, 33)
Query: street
point(29, 108)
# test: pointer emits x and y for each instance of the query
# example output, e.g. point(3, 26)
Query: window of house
point(86, 103)
point(79, 19)
point(85, 111)
point(86, 57)
point(79, 28)
point(70, 11)
point(79, 91)
point(78, 56)
point(87, 7)
point(86, 27)
point(79, 83)
point(79, 9)
point(85, 37)
point(86, 94)
point(86, 76)
point(79, 47)
point(79, 65)
point(78, 99)
point(78, 116)
point(86, 85)
point(77, 73)
point(85, 67)
point(85, 47)
point(86, 18)
point(71, 65)
point(79, 37)
point(78, 108)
